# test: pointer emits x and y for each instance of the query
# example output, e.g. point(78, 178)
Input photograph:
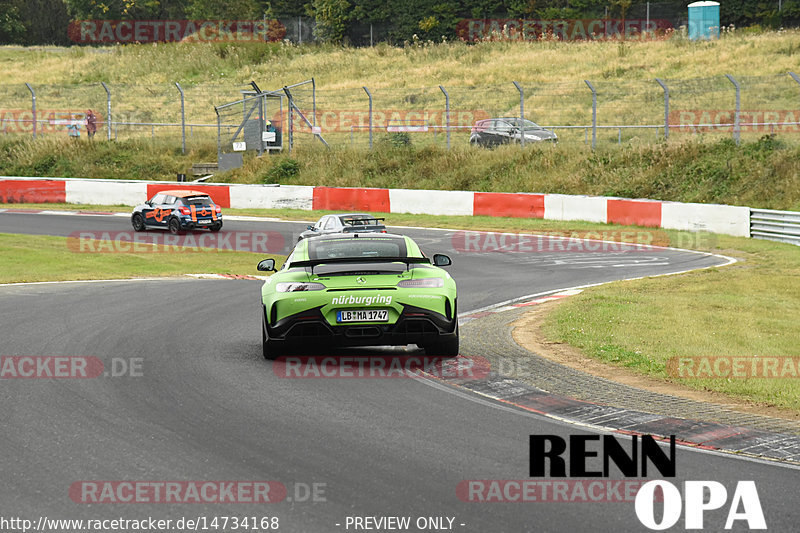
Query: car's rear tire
point(445, 348)
point(138, 222)
point(216, 227)
point(174, 226)
point(269, 348)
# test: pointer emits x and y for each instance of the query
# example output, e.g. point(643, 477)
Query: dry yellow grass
point(552, 72)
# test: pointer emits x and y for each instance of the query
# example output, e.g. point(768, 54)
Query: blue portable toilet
point(704, 20)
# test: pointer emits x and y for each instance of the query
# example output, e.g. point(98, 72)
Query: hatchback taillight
point(218, 209)
point(185, 210)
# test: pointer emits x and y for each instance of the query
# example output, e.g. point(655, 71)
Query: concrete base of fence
point(724, 219)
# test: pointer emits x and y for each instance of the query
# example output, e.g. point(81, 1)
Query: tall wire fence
point(588, 112)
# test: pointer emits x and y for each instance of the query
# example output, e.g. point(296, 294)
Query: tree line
point(31, 22)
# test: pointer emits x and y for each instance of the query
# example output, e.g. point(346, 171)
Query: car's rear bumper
point(309, 328)
point(191, 224)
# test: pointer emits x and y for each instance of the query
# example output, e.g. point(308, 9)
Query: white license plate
point(362, 315)
point(204, 222)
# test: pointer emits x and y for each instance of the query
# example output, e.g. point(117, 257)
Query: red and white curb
point(726, 219)
point(508, 307)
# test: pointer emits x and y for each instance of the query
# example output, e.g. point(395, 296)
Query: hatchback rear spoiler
point(362, 221)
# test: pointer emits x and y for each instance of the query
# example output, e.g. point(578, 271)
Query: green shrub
point(282, 171)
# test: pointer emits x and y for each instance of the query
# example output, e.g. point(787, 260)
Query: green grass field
point(749, 309)
point(26, 258)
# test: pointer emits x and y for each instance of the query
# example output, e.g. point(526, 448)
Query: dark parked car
point(495, 131)
point(348, 223)
point(178, 210)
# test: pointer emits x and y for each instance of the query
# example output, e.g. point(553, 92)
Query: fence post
point(446, 113)
point(108, 111)
point(262, 124)
point(183, 119)
point(594, 113)
point(314, 102)
point(219, 133)
point(369, 94)
point(795, 77)
point(521, 113)
point(736, 128)
point(666, 108)
point(291, 117)
point(33, 107)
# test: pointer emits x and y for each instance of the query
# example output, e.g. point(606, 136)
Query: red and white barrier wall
point(725, 219)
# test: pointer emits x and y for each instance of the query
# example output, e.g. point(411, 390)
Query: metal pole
point(795, 77)
point(33, 107)
point(314, 101)
point(647, 24)
point(666, 108)
point(108, 111)
point(594, 113)
point(446, 113)
point(183, 119)
point(219, 133)
point(291, 117)
point(299, 32)
point(262, 126)
point(521, 113)
point(370, 34)
point(736, 129)
point(370, 115)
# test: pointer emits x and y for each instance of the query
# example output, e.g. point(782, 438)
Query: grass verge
point(26, 258)
point(749, 309)
point(760, 172)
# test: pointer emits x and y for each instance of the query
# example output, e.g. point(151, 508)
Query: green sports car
point(359, 290)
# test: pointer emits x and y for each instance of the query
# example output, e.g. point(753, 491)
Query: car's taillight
point(297, 286)
point(383, 231)
point(185, 210)
point(218, 209)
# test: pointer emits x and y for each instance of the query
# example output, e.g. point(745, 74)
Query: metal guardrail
point(783, 226)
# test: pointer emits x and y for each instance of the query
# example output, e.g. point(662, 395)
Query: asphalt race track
point(205, 406)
